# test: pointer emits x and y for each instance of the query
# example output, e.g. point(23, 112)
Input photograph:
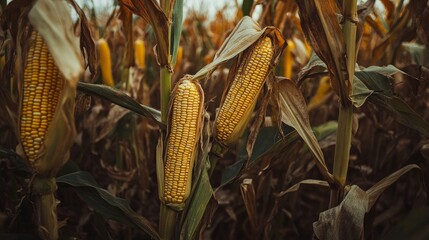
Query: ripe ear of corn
point(241, 98)
point(105, 62)
point(185, 119)
point(139, 53)
point(288, 59)
point(46, 115)
point(42, 89)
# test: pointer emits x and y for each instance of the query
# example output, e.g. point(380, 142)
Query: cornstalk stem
point(168, 217)
point(167, 222)
point(342, 151)
point(43, 190)
point(345, 118)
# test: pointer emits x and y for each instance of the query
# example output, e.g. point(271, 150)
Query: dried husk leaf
point(53, 21)
point(60, 135)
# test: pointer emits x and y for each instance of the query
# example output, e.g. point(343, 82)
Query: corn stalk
point(168, 216)
point(345, 118)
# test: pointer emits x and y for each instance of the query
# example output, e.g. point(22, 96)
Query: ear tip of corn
point(102, 41)
point(105, 62)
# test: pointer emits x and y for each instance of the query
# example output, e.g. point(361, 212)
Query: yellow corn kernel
point(241, 98)
point(105, 62)
point(288, 60)
point(139, 53)
point(185, 117)
point(43, 85)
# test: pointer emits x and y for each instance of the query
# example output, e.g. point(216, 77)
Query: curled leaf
point(296, 187)
point(294, 113)
point(121, 99)
point(346, 221)
point(322, 29)
point(244, 35)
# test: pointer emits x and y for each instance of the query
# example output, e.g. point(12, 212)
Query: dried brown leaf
point(249, 198)
point(296, 187)
point(375, 191)
point(87, 44)
point(417, 7)
point(383, 48)
point(322, 29)
point(346, 221)
point(246, 33)
point(259, 119)
point(295, 113)
point(109, 123)
point(52, 19)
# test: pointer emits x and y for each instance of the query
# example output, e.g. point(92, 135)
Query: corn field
point(285, 120)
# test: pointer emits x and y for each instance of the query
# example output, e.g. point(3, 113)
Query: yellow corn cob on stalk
point(43, 85)
point(321, 93)
point(288, 59)
point(105, 62)
point(241, 98)
point(139, 53)
point(185, 118)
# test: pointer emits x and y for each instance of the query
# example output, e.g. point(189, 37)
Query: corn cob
point(288, 59)
point(182, 140)
point(105, 62)
point(241, 97)
point(43, 85)
point(139, 53)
